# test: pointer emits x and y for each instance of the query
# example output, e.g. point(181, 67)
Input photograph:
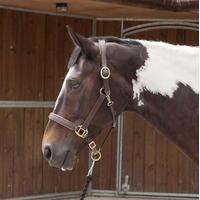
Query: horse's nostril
point(47, 152)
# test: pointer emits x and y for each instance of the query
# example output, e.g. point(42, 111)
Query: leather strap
point(94, 110)
point(62, 121)
point(102, 47)
point(106, 86)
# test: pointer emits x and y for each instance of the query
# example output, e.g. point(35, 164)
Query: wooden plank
point(183, 173)
point(51, 69)
point(1, 50)
point(128, 140)
point(171, 36)
point(191, 38)
point(108, 28)
point(113, 160)
point(194, 178)
point(31, 50)
point(37, 131)
point(28, 152)
point(1, 152)
point(33, 128)
point(180, 37)
point(161, 163)
point(29, 54)
point(17, 126)
point(35, 56)
point(138, 153)
point(6, 180)
point(8, 56)
point(172, 168)
point(150, 158)
point(19, 56)
point(9, 123)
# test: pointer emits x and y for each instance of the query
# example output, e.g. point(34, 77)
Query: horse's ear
point(87, 46)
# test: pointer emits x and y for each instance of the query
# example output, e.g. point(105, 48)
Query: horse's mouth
point(69, 161)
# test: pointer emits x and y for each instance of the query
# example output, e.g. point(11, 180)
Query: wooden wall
point(152, 163)
point(34, 50)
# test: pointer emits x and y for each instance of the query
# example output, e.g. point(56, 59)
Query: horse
point(107, 76)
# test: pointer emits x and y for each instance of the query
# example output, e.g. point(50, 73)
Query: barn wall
point(34, 50)
point(152, 163)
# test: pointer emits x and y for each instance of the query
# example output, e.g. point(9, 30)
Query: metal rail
point(155, 195)
point(27, 104)
point(160, 25)
point(144, 19)
point(54, 196)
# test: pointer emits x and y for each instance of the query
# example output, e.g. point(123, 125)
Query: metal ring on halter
point(96, 155)
point(81, 132)
point(105, 72)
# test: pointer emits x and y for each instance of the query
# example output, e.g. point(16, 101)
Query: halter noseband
point(81, 130)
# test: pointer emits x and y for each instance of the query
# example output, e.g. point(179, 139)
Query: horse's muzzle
point(59, 158)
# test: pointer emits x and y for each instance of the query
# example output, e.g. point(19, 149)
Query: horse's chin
point(69, 161)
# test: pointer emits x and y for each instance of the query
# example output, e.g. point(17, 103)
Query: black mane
point(77, 51)
point(116, 40)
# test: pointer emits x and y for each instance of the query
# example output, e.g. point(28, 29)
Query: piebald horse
point(157, 80)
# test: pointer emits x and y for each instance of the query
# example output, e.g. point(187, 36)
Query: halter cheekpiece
point(81, 130)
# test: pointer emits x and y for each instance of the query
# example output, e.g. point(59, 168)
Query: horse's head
point(80, 92)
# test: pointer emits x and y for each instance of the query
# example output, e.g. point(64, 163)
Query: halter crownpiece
point(81, 130)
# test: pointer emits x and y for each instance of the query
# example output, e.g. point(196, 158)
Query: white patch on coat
point(166, 66)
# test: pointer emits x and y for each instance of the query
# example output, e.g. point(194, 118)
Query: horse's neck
point(165, 92)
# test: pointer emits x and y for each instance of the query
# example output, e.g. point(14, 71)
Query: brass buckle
point(105, 72)
point(81, 132)
point(92, 145)
point(96, 155)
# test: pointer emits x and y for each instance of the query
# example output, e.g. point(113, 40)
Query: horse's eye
point(74, 84)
